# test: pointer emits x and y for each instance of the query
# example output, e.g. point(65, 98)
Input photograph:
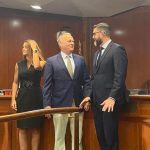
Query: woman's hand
point(13, 104)
point(34, 45)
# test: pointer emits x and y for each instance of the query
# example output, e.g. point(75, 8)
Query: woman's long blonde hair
point(38, 48)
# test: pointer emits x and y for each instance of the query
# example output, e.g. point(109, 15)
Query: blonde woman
point(27, 94)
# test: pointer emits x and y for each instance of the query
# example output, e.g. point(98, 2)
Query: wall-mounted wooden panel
point(17, 26)
point(134, 129)
point(130, 29)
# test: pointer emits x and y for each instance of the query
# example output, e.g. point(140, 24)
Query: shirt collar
point(106, 44)
point(64, 55)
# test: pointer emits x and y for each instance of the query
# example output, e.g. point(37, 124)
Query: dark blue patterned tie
point(99, 56)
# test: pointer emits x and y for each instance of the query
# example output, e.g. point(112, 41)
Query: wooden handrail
point(39, 112)
point(140, 97)
point(136, 117)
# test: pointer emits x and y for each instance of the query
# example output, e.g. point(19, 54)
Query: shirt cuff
point(112, 98)
point(89, 99)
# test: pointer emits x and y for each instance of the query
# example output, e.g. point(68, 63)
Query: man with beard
point(108, 86)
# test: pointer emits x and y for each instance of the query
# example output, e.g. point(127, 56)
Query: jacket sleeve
point(47, 87)
point(120, 62)
point(87, 90)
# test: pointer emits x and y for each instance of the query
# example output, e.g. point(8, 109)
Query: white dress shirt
point(105, 46)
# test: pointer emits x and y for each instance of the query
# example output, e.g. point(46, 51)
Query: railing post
point(76, 131)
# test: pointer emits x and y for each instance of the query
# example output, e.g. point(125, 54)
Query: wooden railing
point(40, 112)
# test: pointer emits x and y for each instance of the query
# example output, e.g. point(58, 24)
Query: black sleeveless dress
point(29, 95)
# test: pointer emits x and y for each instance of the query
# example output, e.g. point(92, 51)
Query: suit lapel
point(76, 65)
point(104, 54)
point(94, 61)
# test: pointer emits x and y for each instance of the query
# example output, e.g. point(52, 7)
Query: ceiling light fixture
point(37, 7)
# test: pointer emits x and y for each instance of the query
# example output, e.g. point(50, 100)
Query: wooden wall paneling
point(47, 136)
point(128, 135)
point(133, 133)
point(5, 127)
point(5, 106)
point(144, 107)
point(15, 136)
point(131, 29)
point(90, 141)
point(87, 43)
point(5, 136)
point(18, 26)
point(3, 55)
point(145, 135)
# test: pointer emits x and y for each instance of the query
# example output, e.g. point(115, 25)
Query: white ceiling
point(82, 8)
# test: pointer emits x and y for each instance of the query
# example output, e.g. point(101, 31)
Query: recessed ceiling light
point(119, 32)
point(15, 23)
point(36, 7)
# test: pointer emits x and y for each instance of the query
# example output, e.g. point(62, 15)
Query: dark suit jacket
point(109, 76)
point(59, 88)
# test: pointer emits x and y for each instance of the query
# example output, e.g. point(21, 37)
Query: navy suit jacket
point(59, 88)
point(109, 76)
